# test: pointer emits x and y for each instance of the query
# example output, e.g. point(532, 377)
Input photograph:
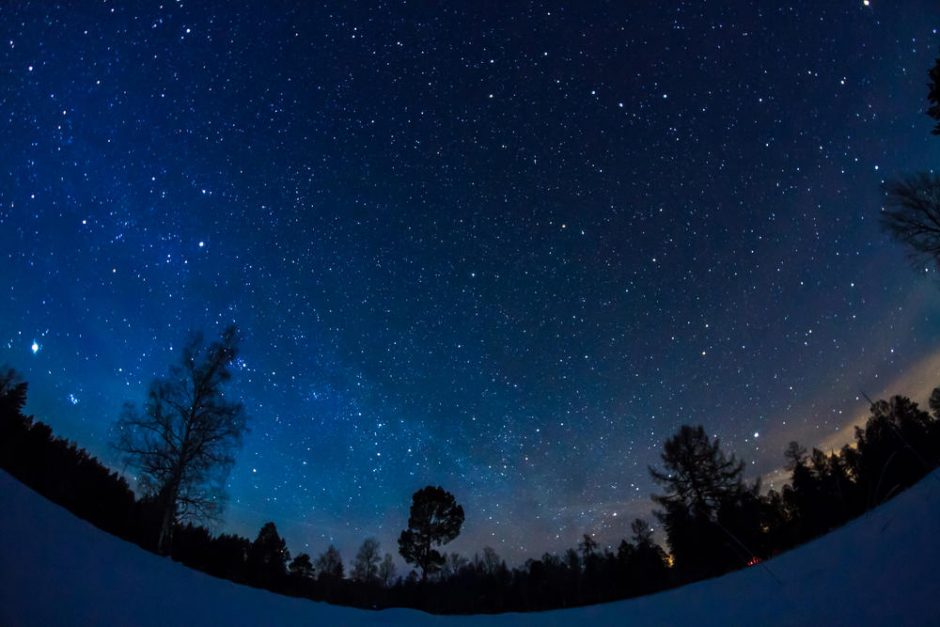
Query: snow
point(56, 569)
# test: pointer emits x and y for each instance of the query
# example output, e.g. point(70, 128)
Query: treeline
point(59, 470)
point(715, 521)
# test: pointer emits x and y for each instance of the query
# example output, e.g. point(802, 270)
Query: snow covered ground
point(881, 569)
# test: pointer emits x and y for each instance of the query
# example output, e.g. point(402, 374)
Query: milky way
point(507, 250)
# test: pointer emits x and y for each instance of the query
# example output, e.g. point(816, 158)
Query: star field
point(503, 249)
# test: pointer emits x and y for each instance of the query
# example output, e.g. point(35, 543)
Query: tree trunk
point(167, 519)
point(164, 538)
point(171, 493)
point(426, 560)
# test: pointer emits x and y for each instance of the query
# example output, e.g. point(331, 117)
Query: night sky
point(507, 248)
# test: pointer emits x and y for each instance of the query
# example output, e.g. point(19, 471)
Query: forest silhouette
point(715, 521)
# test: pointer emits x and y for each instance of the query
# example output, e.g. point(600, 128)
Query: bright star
point(35, 347)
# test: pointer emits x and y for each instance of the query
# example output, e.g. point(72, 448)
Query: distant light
point(202, 244)
point(35, 347)
point(756, 434)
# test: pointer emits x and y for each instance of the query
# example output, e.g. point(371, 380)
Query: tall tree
point(698, 479)
point(387, 570)
point(183, 441)
point(330, 565)
point(435, 519)
point(267, 558)
point(647, 561)
point(366, 563)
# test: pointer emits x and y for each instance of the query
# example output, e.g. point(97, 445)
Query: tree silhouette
point(816, 496)
point(366, 563)
point(642, 532)
point(713, 519)
point(896, 447)
point(435, 519)
point(387, 570)
point(301, 567)
point(698, 480)
point(587, 546)
point(453, 563)
point(912, 215)
point(12, 393)
point(490, 562)
point(697, 473)
point(330, 565)
point(268, 556)
point(643, 562)
point(934, 403)
point(794, 455)
point(183, 441)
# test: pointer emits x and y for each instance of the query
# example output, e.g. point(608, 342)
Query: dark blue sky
point(504, 248)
